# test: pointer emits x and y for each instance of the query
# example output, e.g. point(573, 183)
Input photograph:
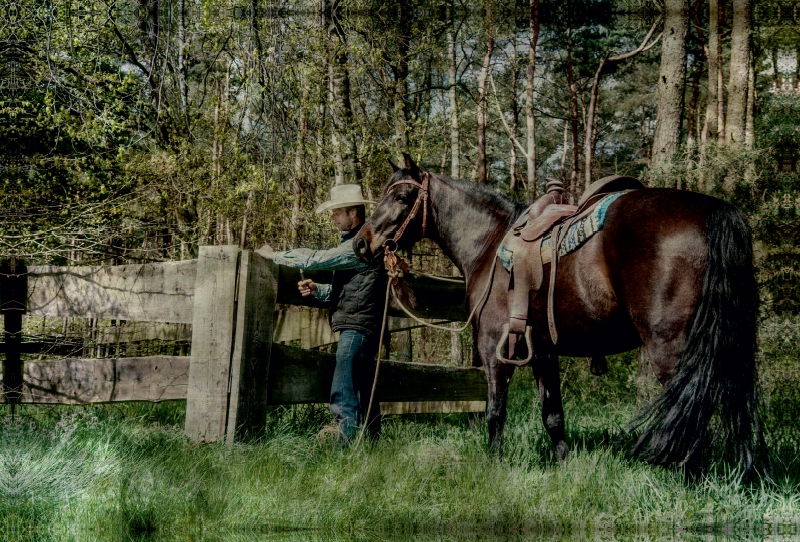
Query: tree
point(671, 78)
point(591, 117)
point(530, 125)
point(481, 174)
point(711, 128)
point(573, 117)
point(741, 46)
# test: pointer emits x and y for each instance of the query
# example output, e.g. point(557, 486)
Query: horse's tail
point(717, 369)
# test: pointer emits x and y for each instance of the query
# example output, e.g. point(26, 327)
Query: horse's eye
point(401, 198)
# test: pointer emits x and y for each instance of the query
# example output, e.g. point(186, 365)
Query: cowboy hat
point(344, 195)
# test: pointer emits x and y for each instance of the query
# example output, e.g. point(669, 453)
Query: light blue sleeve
point(333, 259)
point(323, 292)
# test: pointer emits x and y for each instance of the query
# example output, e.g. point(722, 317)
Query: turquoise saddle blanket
point(580, 232)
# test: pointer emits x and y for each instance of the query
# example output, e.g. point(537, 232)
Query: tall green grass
point(128, 473)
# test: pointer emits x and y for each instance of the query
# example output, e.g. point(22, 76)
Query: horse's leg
point(475, 417)
point(545, 372)
point(498, 376)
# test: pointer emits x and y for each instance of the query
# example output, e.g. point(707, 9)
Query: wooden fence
point(232, 305)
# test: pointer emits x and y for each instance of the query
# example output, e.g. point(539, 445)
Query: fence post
point(212, 343)
point(258, 282)
point(13, 295)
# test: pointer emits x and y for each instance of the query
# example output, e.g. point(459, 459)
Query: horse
point(671, 270)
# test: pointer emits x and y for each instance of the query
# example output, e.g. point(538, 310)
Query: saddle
point(552, 215)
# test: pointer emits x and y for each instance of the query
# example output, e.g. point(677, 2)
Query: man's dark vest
point(357, 297)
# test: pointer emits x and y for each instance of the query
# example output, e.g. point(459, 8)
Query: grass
point(127, 473)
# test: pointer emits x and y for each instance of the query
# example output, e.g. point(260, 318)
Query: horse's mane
point(486, 194)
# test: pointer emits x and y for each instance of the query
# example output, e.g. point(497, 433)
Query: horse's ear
point(410, 165)
point(395, 168)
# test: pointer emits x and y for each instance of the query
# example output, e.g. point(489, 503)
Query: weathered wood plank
point(155, 292)
point(252, 347)
point(212, 343)
point(142, 331)
point(310, 326)
point(300, 376)
point(433, 407)
point(296, 376)
point(84, 381)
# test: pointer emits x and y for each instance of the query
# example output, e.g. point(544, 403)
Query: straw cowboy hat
point(344, 195)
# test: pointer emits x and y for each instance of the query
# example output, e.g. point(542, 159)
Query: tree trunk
point(341, 106)
point(455, 148)
point(400, 72)
point(712, 57)
point(481, 170)
point(672, 74)
point(183, 87)
point(590, 126)
point(298, 183)
point(529, 82)
point(720, 78)
point(512, 166)
point(776, 73)
point(741, 39)
point(796, 81)
point(573, 92)
point(749, 134)
point(691, 116)
point(565, 150)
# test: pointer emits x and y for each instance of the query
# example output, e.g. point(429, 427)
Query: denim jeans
point(352, 382)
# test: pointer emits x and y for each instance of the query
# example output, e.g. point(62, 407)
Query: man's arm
point(332, 259)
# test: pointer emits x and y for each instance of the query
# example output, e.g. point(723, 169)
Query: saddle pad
point(577, 235)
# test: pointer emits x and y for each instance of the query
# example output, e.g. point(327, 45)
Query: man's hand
point(266, 251)
point(307, 287)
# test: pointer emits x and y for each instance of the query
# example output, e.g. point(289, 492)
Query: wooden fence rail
point(231, 304)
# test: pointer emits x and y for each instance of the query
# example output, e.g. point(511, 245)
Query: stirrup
point(499, 350)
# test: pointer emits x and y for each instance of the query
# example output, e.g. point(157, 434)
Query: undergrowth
point(128, 473)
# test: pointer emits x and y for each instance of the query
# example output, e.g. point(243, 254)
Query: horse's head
point(401, 216)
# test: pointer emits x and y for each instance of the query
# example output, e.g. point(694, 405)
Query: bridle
point(422, 200)
point(389, 257)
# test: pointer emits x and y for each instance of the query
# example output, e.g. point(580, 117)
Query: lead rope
point(393, 273)
point(377, 366)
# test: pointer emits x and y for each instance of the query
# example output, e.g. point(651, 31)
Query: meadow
point(126, 472)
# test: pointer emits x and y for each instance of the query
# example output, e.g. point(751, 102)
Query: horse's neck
point(468, 229)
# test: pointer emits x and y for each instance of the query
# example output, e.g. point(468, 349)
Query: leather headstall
point(422, 199)
point(393, 263)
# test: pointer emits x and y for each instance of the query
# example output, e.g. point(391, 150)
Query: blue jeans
point(352, 382)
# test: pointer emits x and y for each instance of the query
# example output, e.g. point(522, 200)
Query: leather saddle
point(552, 215)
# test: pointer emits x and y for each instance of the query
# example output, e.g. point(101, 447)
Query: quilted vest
point(357, 297)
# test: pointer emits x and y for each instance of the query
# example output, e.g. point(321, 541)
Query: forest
point(137, 131)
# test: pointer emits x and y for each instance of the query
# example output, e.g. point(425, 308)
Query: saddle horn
point(554, 185)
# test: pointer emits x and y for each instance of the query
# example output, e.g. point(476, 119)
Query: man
point(356, 296)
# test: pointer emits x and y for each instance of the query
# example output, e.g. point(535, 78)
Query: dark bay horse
point(670, 269)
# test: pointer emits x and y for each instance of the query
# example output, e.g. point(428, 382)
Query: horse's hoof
point(561, 451)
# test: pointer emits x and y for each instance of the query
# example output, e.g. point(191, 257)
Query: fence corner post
point(212, 343)
point(258, 283)
point(13, 298)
